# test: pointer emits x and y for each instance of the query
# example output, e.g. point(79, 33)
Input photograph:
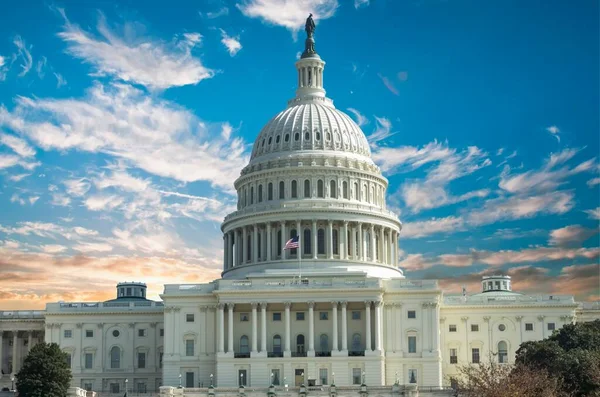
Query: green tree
point(44, 373)
point(571, 354)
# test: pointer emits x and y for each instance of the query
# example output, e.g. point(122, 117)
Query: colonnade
point(6, 367)
point(352, 241)
point(372, 324)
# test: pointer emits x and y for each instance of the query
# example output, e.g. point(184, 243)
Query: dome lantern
point(310, 68)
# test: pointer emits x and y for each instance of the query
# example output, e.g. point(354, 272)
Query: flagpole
point(300, 258)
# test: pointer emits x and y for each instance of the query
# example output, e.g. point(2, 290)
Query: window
point(68, 333)
point(321, 242)
point(474, 327)
point(323, 315)
point(69, 359)
point(320, 189)
point(115, 357)
point(324, 343)
point(300, 343)
point(412, 314)
point(260, 193)
point(141, 332)
point(356, 343)
point(270, 190)
point(528, 326)
point(189, 318)
point(277, 138)
point(189, 347)
point(299, 316)
point(244, 348)
point(189, 379)
point(160, 359)
point(88, 386)
point(294, 189)
point(277, 316)
point(306, 136)
point(141, 359)
point(412, 344)
point(412, 376)
point(281, 190)
point(502, 352)
point(307, 242)
point(355, 315)
point(356, 193)
point(453, 356)
point(332, 189)
point(89, 333)
point(501, 327)
point(306, 188)
point(475, 355)
point(141, 387)
point(356, 378)
point(275, 377)
point(114, 388)
point(89, 360)
point(297, 134)
point(452, 328)
point(276, 344)
point(243, 376)
point(551, 326)
point(345, 189)
point(334, 237)
point(162, 332)
point(323, 375)
point(244, 317)
point(128, 291)
point(252, 195)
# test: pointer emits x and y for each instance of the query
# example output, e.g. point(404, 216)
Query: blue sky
point(123, 125)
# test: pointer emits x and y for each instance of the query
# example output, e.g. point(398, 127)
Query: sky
point(123, 125)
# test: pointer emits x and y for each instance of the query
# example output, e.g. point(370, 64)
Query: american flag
point(292, 243)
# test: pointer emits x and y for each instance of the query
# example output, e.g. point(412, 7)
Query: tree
point(571, 354)
point(45, 372)
point(492, 379)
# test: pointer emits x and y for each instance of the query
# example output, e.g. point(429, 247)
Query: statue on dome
point(309, 27)
point(309, 43)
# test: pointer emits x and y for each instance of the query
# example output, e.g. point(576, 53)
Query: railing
point(241, 355)
point(323, 354)
point(274, 354)
point(98, 306)
point(298, 354)
point(11, 314)
point(356, 353)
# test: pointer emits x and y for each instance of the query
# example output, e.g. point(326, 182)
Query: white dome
point(310, 126)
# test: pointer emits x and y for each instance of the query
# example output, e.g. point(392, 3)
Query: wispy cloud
point(18, 145)
point(24, 54)
point(419, 229)
point(573, 235)
point(388, 84)
point(232, 44)
point(152, 63)
point(593, 213)
point(382, 132)
point(41, 66)
point(223, 11)
point(360, 118)
point(361, 3)
point(60, 80)
point(554, 131)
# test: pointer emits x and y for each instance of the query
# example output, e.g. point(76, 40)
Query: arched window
point(364, 192)
point(252, 195)
point(281, 190)
point(115, 357)
point(368, 238)
point(320, 192)
point(307, 188)
point(307, 243)
point(249, 247)
point(336, 250)
point(244, 348)
point(293, 233)
point(356, 192)
point(270, 191)
point(345, 190)
point(371, 198)
point(324, 343)
point(332, 189)
point(321, 242)
point(279, 242)
point(260, 193)
point(356, 342)
point(502, 352)
point(294, 189)
point(276, 344)
point(300, 343)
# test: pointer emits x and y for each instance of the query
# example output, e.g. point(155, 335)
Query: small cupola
point(496, 284)
point(131, 289)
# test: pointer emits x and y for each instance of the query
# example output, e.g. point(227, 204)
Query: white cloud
point(554, 131)
point(573, 235)
point(142, 131)
point(53, 248)
point(82, 231)
point(40, 66)
point(289, 14)
point(593, 182)
point(60, 80)
point(121, 180)
point(102, 202)
point(432, 226)
point(77, 187)
point(154, 64)
point(92, 247)
point(232, 44)
point(388, 84)
point(593, 213)
point(216, 14)
point(422, 196)
point(4, 68)
point(361, 3)
point(10, 160)
point(18, 177)
point(361, 119)
point(382, 132)
point(60, 199)
point(17, 145)
point(24, 53)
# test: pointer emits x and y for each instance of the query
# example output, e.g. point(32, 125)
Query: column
point(230, 250)
point(360, 242)
point(368, 326)
point(230, 327)
point(389, 247)
point(221, 327)
point(255, 245)
point(344, 326)
point(311, 328)
point(344, 241)
point(378, 323)
point(225, 253)
point(314, 237)
point(288, 343)
point(425, 326)
point(254, 328)
point(330, 240)
point(382, 245)
point(269, 236)
point(334, 314)
point(353, 244)
point(373, 245)
point(396, 248)
point(263, 327)
point(244, 245)
point(14, 355)
point(283, 240)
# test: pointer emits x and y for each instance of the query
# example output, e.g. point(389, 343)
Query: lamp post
point(241, 380)
point(211, 380)
point(271, 378)
point(363, 377)
point(180, 381)
point(126, 381)
point(333, 378)
point(12, 383)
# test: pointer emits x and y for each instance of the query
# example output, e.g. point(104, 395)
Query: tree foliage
point(571, 354)
point(44, 373)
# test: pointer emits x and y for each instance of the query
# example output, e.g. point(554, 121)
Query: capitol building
point(337, 309)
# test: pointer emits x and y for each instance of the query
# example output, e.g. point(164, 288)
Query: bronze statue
point(309, 26)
